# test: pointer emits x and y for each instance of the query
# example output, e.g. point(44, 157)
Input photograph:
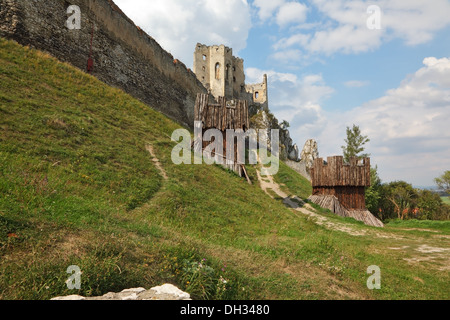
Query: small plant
point(203, 280)
point(325, 244)
point(199, 278)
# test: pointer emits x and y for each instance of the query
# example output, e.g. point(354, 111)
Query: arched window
point(218, 71)
point(256, 95)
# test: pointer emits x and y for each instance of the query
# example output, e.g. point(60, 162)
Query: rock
point(285, 143)
point(264, 122)
point(293, 153)
point(309, 153)
point(69, 298)
point(164, 292)
point(171, 290)
point(264, 128)
point(135, 290)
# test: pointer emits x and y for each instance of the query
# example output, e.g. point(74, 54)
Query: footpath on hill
point(422, 251)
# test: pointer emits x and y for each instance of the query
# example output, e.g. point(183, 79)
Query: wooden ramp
point(332, 203)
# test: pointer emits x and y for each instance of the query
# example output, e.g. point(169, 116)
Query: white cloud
point(267, 8)
point(178, 25)
point(408, 126)
point(281, 11)
point(296, 100)
point(415, 21)
point(296, 39)
point(419, 107)
point(291, 12)
point(346, 39)
point(343, 25)
point(287, 56)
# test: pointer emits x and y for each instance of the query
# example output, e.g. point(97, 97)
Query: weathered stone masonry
point(223, 74)
point(124, 56)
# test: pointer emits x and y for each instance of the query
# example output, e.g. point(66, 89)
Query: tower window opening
point(256, 95)
point(217, 71)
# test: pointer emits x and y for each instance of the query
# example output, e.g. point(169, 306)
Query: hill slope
point(79, 187)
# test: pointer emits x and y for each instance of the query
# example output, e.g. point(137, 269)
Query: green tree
point(403, 197)
point(443, 181)
point(429, 204)
point(355, 142)
point(373, 193)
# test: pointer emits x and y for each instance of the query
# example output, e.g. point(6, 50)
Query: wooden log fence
point(223, 115)
point(340, 187)
point(337, 173)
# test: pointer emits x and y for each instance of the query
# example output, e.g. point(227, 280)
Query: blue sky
point(328, 70)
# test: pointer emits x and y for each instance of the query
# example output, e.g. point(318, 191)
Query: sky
point(382, 65)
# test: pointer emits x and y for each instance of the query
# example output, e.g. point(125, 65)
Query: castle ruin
point(223, 75)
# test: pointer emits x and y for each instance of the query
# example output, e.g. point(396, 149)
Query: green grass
point(78, 188)
point(425, 224)
point(292, 182)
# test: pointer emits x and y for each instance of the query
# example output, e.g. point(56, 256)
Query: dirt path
point(267, 183)
point(413, 250)
point(155, 160)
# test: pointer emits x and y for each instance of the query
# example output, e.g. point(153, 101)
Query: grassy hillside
point(79, 188)
point(446, 200)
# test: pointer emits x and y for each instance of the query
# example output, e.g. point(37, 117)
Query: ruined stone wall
point(223, 74)
point(300, 167)
point(217, 67)
point(228, 80)
point(124, 56)
point(238, 77)
point(219, 71)
point(259, 93)
point(201, 65)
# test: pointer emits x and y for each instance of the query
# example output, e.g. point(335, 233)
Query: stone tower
point(258, 93)
point(223, 75)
